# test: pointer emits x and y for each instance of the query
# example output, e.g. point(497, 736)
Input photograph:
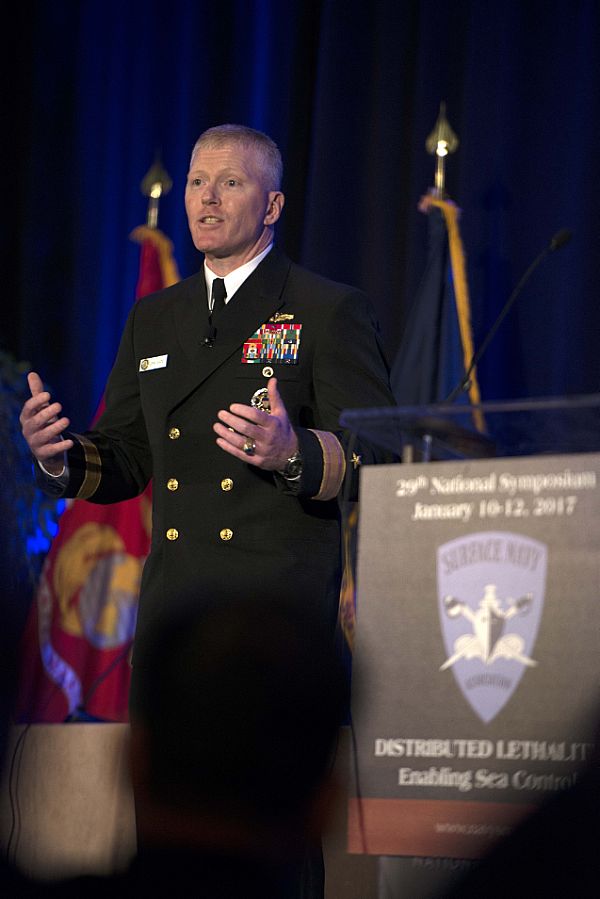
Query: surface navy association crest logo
point(490, 599)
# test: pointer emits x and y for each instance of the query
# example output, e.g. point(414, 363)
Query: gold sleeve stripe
point(93, 468)
point(334, 465)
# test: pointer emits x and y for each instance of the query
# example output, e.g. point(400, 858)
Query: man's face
point(230, 212)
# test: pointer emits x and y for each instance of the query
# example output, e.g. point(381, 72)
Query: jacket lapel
point(190, 315)
point(259, 297)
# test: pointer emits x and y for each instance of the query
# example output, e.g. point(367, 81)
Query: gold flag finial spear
point(440, 143)
point(155, 183)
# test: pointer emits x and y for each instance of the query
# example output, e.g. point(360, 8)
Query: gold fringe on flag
point(461, 292)
point(168, 266)
point(347, 608)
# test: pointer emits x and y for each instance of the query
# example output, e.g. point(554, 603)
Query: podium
point(476, 672)
point(496, 429)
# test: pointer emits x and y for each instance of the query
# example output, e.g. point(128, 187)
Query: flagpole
point(441, 142)
point(155, 183)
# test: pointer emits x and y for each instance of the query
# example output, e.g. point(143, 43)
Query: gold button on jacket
point(172, 534)
point(172, 484)
point(227, 484)
point(226, 534)
point(174, 433)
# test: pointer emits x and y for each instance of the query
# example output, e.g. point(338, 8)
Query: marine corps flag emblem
point(74, 657)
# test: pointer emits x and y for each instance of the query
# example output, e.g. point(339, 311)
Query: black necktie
point(218, 297)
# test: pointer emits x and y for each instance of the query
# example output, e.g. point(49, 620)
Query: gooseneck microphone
point(559, 240)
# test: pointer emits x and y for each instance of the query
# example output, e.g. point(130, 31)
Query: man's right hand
point(42, 428)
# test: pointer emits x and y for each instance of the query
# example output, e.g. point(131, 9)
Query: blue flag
point(437, 345)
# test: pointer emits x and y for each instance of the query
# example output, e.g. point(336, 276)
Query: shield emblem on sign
point(490, 599)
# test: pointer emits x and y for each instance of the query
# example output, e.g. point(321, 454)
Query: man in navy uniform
point(243, 445)
point(226, 391)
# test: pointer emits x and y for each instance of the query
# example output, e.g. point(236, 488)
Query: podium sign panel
point(477, 660)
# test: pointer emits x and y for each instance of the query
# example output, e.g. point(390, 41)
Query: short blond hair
point(267, 151)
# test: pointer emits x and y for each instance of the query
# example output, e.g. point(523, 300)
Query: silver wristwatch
point(292, 469)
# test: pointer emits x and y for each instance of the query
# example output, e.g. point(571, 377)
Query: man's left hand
point(270, 433)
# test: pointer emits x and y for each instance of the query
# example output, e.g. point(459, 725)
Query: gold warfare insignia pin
point(281, 317)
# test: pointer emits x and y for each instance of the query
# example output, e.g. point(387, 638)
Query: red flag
point(75, 649)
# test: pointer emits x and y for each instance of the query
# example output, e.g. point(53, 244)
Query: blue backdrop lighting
point(350, 91)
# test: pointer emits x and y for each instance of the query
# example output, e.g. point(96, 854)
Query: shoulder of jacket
point(165, 297)
point(321, 282)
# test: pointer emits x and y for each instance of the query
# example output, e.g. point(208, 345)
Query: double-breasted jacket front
point(218, 521)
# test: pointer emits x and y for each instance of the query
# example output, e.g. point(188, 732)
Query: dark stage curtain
point(350, 91)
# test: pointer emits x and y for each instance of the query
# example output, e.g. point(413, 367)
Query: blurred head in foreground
point(238, 703)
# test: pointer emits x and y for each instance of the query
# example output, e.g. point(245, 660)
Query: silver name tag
point(153, 362)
